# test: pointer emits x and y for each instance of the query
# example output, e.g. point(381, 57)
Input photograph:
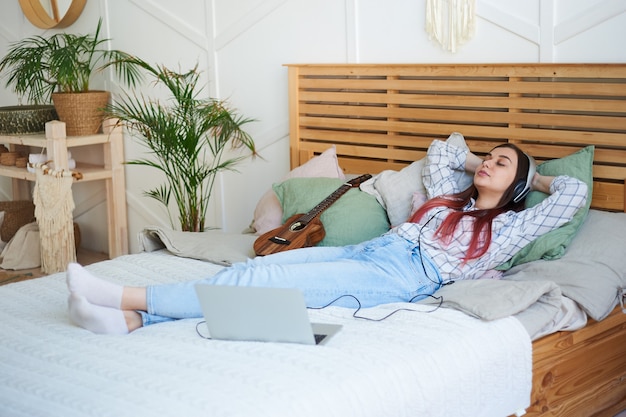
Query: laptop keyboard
point(319, 338)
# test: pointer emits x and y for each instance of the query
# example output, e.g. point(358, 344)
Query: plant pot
point(17, 120)
point(82, 112)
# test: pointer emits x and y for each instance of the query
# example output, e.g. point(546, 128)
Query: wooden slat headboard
point(383, 116)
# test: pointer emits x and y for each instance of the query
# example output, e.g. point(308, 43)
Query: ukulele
point(302, 230)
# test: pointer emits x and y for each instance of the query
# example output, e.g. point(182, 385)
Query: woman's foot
point(95, 318)
point(94, 290)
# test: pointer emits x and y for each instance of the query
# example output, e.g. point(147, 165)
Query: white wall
point(241, 45)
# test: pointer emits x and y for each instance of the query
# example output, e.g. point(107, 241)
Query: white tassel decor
point(450, 22)
point(54, 205)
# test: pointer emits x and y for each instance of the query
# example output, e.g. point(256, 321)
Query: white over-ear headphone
point(522, 188)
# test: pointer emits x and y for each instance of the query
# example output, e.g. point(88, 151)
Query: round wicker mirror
point(49, 16)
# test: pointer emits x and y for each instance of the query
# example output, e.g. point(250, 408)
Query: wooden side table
point(112, 172)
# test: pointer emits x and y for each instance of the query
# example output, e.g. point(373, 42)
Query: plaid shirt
point(511, 230)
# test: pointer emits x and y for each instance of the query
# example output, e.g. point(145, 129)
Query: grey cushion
point(592, 270)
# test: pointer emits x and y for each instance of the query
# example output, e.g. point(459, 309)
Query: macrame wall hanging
point(450, 22)
point(54, 206)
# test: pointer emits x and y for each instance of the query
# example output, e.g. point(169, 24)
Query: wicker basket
point(17, 120)
point(8, 158)
point(20, 213)
point(81, 112)
point(21, 161)
point(16, 215)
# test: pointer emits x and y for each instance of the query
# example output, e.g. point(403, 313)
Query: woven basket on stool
point(81, 112)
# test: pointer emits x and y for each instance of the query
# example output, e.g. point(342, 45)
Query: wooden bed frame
point(382, 116)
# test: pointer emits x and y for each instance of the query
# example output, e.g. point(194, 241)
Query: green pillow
point(353, 218)
point(552, 245)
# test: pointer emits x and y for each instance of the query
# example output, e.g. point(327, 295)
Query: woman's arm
point(566, 195)
point(472, 162)
point(443, 159)
point(542, 183)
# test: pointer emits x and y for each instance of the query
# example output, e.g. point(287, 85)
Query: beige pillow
point(268, 213)
point(22, 251)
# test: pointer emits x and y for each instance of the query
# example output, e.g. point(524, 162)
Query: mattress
point(420, 361)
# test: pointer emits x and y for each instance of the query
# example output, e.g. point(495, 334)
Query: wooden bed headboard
point(383, 116)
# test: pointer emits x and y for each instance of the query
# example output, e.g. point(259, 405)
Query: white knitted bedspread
point(442, 363)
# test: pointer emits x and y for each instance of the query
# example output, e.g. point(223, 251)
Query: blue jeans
point(386, 269)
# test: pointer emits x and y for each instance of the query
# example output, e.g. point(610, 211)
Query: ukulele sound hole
point(297, 226)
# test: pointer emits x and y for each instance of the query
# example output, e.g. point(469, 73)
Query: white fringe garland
point(450, 22)
point(54, 205)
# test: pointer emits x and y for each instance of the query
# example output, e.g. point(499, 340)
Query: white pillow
point(268, 213)
point(397, 191)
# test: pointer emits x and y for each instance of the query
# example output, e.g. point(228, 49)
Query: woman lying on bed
point(454, 235)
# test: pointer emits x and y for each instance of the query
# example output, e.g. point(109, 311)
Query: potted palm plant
point(60, 68)
point(188, 139)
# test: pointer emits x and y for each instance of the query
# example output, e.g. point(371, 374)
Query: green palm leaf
point(186, 139)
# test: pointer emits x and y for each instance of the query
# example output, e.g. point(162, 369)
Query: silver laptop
point(260, 314)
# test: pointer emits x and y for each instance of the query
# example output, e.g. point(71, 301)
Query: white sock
point(95, 290)
point(97, 319)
